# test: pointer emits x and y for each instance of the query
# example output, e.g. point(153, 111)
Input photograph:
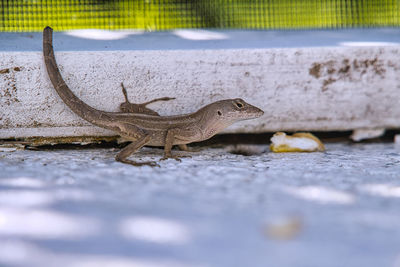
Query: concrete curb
point(300, 88)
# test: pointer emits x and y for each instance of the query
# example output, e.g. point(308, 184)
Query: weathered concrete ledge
point(304, 80)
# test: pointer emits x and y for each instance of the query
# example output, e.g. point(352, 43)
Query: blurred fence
point(25, 15)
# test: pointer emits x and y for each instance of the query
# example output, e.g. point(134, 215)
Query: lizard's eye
point(239, 105)
point(219, 113)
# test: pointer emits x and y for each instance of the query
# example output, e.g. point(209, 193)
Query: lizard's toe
point(171, 157)
point(153, 164)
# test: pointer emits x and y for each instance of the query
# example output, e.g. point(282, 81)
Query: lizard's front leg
point(169, 141)
point(129, 107)
point(184, 147)
point(187, 149)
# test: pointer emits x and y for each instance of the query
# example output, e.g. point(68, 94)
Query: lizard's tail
point(92, 115)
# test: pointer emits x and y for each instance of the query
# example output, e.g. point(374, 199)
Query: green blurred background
point(22, 15)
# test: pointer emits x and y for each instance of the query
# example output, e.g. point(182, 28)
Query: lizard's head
point(221, 114)
point(232, 110)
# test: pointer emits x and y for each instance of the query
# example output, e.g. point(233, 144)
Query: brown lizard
point(144, 126)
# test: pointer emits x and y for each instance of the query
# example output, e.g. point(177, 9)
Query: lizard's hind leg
point(123, 155)
point(129, 107)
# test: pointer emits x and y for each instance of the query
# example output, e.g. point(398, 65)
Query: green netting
point(23, 15)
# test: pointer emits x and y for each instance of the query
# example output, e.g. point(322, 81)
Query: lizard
point(143, 126)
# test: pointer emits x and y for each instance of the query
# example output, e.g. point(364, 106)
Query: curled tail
point(83, 110)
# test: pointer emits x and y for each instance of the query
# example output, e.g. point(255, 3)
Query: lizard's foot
point(138, 164)
point(194, 149)
point(171, 157)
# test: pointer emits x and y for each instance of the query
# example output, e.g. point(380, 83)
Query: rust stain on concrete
point(315, 70)
point(346, 69)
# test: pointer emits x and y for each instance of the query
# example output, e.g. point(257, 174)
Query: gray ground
point(81, 208)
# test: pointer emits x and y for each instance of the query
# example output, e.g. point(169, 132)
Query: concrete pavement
point(81, 208)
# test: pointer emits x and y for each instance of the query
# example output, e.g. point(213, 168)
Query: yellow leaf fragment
point(285, 230)
point(298, 142)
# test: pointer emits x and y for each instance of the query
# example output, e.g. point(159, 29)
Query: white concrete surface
point(81, 208)
point(304, 80)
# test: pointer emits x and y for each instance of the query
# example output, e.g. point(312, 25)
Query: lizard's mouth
point(250, 113)
point(260, 112)
point(253, 113)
